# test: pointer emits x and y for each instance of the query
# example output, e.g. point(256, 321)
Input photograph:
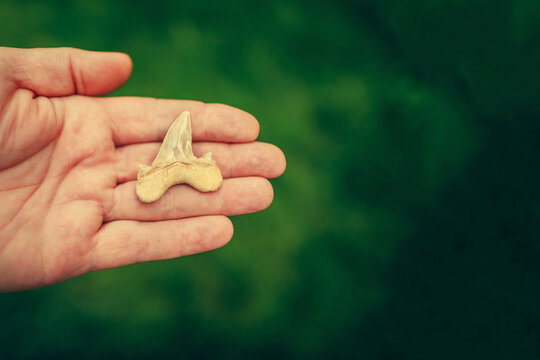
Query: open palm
point(68, 165)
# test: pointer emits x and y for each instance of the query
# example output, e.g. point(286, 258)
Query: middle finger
point(234, 160)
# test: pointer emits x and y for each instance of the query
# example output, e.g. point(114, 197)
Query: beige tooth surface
point(176, 164)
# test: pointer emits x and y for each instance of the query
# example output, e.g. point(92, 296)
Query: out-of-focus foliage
point(406, 224)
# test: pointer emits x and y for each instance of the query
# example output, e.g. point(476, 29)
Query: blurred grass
point(406, 224)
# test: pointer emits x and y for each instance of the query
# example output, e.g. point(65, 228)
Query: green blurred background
point(407, 223)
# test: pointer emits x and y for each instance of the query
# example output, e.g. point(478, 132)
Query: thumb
point(66, 71)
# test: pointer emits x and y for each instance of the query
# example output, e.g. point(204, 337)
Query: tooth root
point(176, 164)
point(202, 178)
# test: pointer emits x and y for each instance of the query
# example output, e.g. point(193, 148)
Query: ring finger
point(235, 197)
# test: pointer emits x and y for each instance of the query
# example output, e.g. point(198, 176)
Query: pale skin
point(69, 160)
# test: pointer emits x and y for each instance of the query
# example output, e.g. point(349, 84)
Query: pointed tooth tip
point(184, 116)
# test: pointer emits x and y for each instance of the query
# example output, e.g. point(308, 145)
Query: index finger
point(138, 120)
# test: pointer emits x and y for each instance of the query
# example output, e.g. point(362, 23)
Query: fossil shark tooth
point(176, 164)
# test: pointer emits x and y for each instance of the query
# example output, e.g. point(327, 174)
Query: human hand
point(68, 165)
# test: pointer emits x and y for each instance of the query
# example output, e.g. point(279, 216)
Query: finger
point(234, 160)
point(136, 120)
point(127, 242)
point(67, 71)
point(234, 197)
